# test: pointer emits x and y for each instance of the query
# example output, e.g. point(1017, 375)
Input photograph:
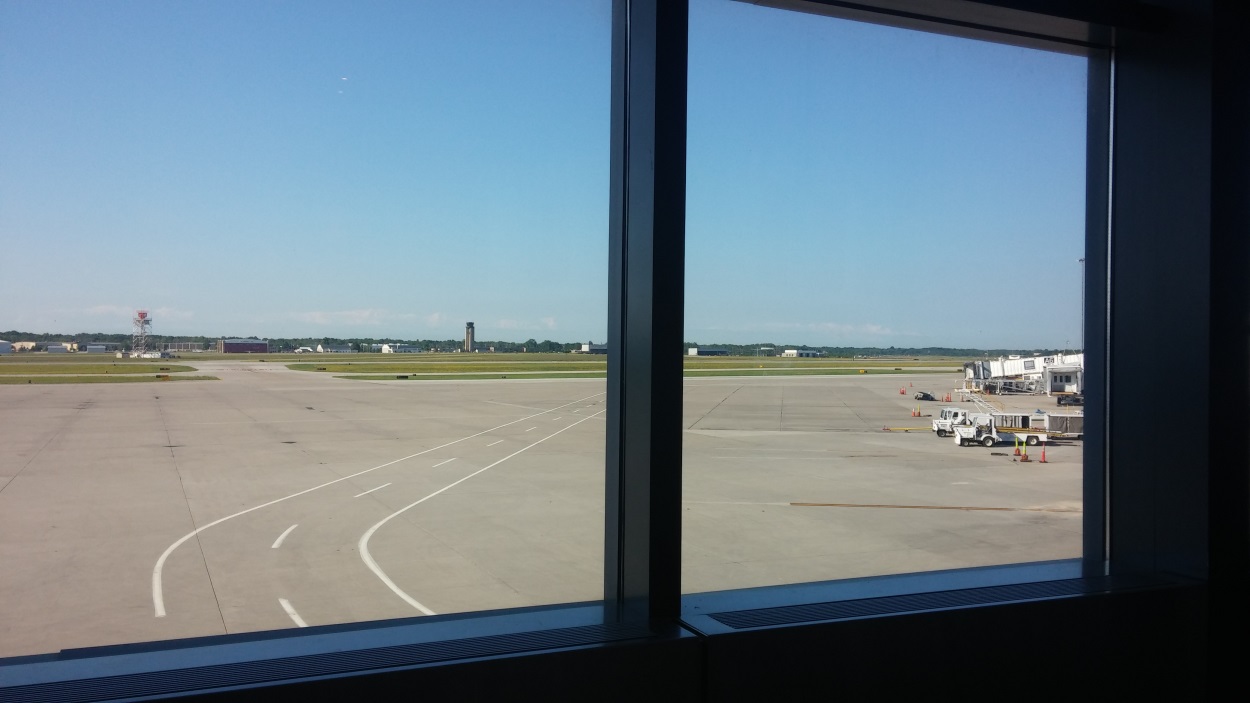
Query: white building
point(399, 349)
point(334, 349)
point(592, 348)
point(1064, 379)
point(1051, 373)
point(800, 353)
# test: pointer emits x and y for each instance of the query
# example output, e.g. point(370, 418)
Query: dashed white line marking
point(532, 428)
point(158, 591)
point(364, 539)
point(286, 605)
point(278, 542)
point(494, 443)
point(442, 462)
point(555, 419)
point(371, 490)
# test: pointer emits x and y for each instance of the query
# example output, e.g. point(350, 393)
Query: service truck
point(947, 419)
point(987, 430)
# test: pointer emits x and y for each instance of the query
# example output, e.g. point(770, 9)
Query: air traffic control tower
point(468, 336)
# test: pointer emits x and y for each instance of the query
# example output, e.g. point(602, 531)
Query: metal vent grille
point(842, 610)
point(245, 673)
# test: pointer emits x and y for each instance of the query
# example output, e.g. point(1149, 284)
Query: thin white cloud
point(434, 319)
point(128, 313)
point(343, 317)
point(546, 323)
point(872, 329)
point(109, 311)
point(172, 314)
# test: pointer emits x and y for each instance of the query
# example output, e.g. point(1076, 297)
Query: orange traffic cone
point(1017, 446)
point(1043, 461)
point(902, 391)
point(1025, 456)
point(910, 384)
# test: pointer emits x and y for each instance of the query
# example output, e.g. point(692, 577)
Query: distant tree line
point(771, 349)
point(290, 344)
point(281, 344)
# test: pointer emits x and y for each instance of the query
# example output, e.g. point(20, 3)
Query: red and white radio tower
point(142, 328)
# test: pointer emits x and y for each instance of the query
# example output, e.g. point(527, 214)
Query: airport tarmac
point(274, 498)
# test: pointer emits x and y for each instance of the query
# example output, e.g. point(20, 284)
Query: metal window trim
point(642, 555)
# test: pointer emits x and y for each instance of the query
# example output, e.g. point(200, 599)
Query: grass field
point(471, 376)
point(494, 365)
point(113, 378)
point(450, 367)
point(87, 369)
point(77, 368)
point(689, 373)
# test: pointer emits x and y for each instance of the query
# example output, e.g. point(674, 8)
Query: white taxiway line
point(278, 542)
point(494, 443)
point(532, 428)
point(442, 462)
point(158, 595)
point(364, 539)
point(286, 605)
point(371, 490)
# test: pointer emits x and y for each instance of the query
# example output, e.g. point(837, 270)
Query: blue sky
point(395, 169)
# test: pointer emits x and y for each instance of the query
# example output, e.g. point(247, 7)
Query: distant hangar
point(243, 346)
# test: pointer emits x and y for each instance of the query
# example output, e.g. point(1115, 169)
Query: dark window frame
point(1149, 517)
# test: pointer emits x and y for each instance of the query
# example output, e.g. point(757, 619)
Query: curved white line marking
point(372, 490)
point(278, 542)
point(158, 596)
point(286, 605)
point(364, 539)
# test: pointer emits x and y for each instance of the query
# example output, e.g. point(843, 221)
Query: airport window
point(861, 170)
point(1155, 521)
point(351, 182)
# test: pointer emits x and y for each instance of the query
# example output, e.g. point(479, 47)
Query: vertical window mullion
point(642, 556)
point(1095, 267)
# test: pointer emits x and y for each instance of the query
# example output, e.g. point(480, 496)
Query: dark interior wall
point(1229, 370)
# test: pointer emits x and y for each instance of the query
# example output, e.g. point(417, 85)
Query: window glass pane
point(305, 200)
point(881, 224)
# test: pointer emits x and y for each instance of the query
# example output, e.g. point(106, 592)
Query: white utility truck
point(949, 418)
point(987, 430)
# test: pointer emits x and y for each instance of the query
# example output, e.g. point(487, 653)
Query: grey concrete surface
point(500, 484)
